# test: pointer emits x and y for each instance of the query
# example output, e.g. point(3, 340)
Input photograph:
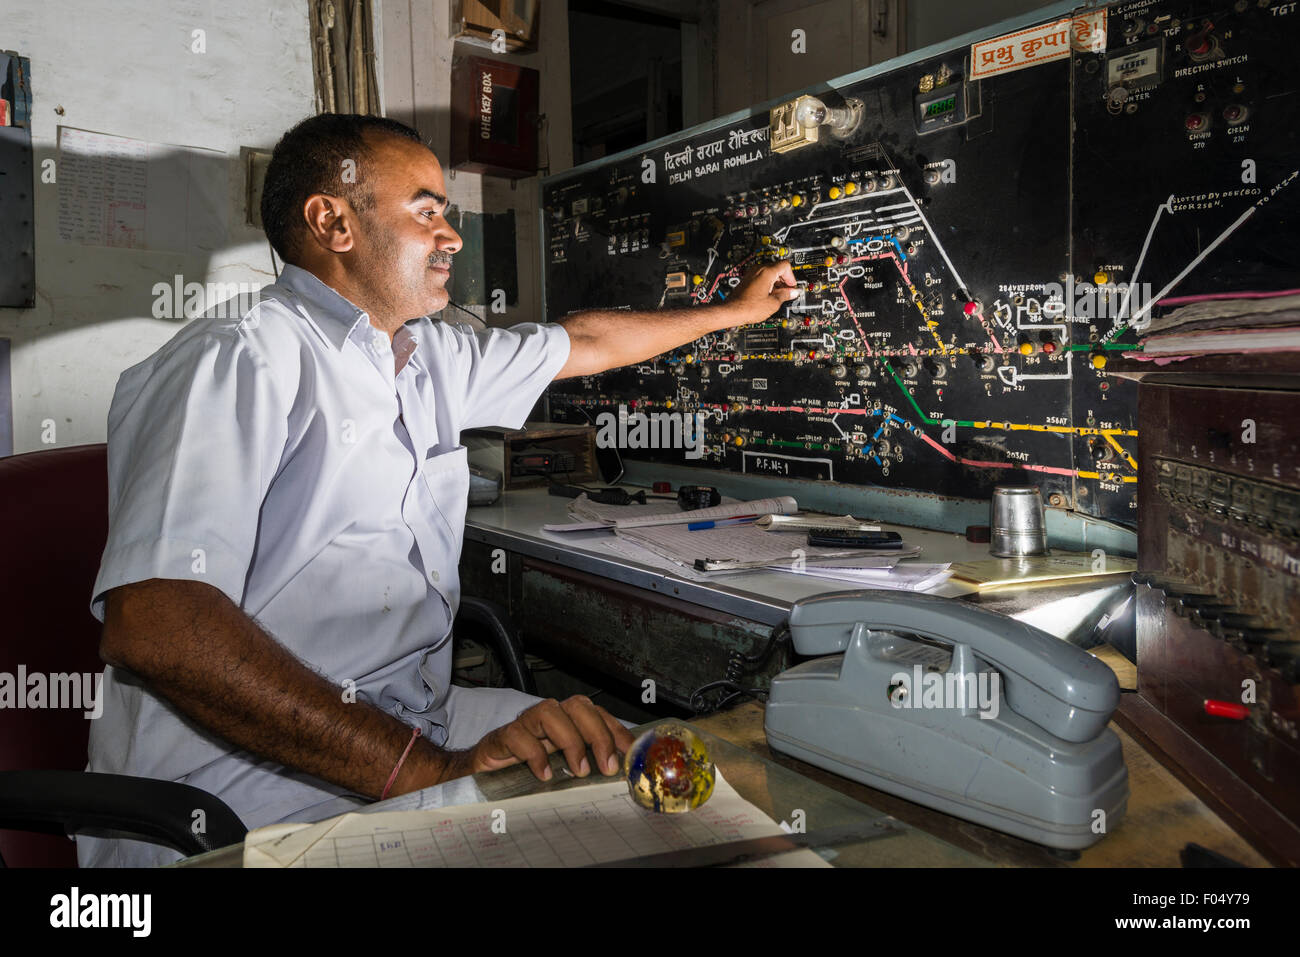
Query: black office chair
point(490, 624)
point(70, 802)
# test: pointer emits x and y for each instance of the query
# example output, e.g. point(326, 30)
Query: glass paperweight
point(669, 770)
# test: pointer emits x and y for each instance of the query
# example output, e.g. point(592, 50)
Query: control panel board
point(975, 234)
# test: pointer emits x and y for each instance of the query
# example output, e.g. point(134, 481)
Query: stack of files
point(1233, 322)
point(909, 577)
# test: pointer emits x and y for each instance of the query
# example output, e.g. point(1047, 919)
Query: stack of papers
point(1233, 322)
point(748, 546)
point(663, 529)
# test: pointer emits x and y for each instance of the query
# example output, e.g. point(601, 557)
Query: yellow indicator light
point(697, 280)
point(1026, 349)
point(1101, 278)
point(796, 200)
point(834, 192)
point(850, 188)
point(830, 260)
point(738, 441)
point(1099, 361)
point(783, 251)
point(669, 403)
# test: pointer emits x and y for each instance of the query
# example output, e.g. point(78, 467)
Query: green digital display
point(940, 107)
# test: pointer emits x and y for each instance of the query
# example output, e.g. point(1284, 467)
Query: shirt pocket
point(447, 476)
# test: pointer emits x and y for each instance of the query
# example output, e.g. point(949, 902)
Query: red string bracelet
point(393, 777)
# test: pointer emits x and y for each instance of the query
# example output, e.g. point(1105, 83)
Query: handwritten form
point(577, 827)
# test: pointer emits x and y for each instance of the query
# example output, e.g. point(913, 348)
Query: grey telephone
point(1031, 756)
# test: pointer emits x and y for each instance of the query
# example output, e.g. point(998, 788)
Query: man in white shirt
point(287, 499)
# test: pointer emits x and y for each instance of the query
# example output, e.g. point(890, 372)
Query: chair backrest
point(53, 526)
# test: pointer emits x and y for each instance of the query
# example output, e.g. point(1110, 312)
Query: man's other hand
point(551, 725)
point(763, 291)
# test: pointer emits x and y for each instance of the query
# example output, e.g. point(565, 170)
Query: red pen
point(1226, 709)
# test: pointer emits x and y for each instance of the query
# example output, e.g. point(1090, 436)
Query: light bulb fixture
point(812, 113)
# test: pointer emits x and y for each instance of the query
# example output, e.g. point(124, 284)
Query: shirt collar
point(333, 315)
point(406, 344)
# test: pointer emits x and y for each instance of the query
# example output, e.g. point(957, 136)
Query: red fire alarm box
point(493, 117)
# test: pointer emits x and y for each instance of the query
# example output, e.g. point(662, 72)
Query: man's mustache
point(440, 259)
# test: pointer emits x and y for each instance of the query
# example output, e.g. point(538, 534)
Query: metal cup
point(1017, 523)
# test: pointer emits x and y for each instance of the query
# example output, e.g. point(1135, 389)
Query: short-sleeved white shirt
point(312, 471)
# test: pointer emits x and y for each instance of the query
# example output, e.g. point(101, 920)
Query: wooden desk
point(1163, 816)
point(628, 622)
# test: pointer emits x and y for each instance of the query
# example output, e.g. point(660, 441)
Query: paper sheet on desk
point(748, 544)
point(592, 515)
point(576, 827)
point(902, 577)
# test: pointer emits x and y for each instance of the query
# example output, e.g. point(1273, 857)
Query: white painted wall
point(755, 56)
point(415, 54)
point(127, 68)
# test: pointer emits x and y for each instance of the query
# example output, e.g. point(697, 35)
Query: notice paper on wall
point(123, 192)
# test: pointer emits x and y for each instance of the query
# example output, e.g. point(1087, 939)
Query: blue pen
point(721, 523)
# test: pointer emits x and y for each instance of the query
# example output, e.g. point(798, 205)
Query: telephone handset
point(956, 707)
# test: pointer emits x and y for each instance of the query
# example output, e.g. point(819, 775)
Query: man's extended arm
point(193, 646)
point(609, 338)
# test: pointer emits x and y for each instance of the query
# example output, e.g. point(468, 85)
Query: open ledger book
point(576, 827)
